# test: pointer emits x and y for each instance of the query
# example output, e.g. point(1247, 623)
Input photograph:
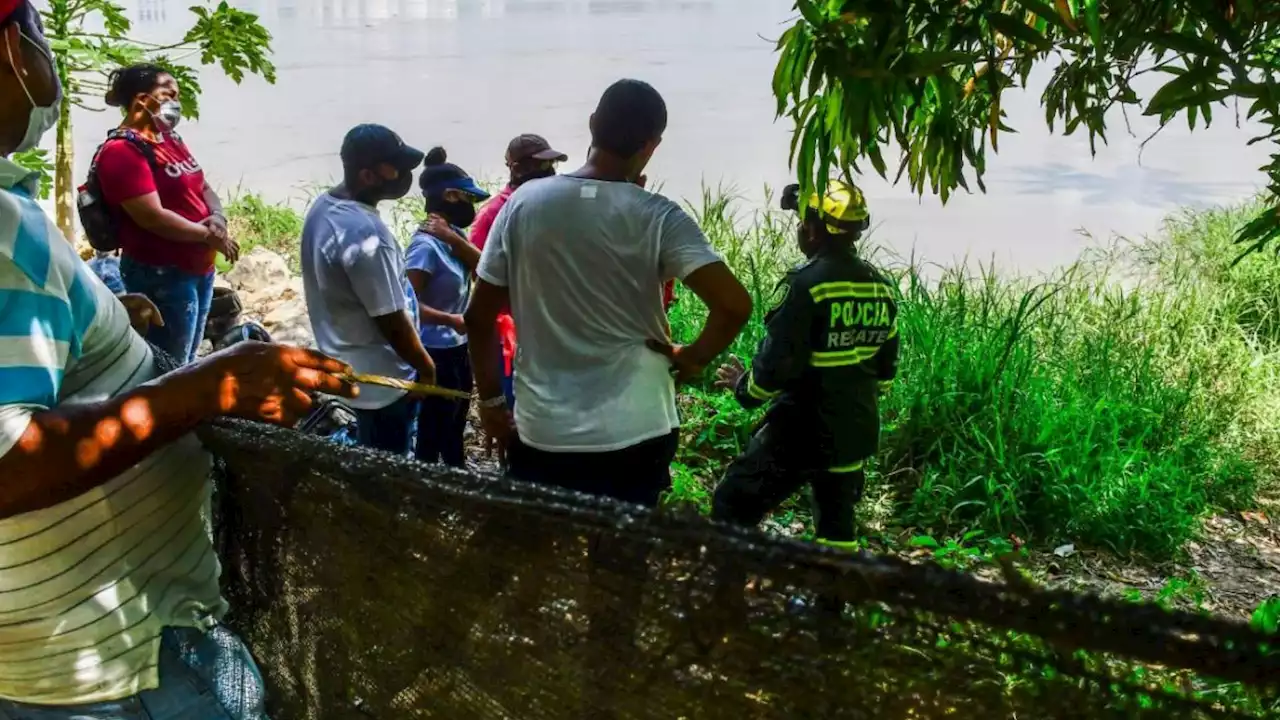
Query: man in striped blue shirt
point(109, 601)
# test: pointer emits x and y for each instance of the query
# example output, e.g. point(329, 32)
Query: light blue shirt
point(353, 270)
point(447, 289)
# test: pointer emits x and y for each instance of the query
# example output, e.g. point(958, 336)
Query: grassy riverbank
point(1112, 404)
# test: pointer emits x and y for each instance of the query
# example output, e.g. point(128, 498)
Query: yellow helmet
point(843, 208)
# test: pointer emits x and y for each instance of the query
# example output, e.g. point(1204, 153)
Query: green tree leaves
point(37, 161)
point(928, 77)
point(221, 35)
point(234, 40)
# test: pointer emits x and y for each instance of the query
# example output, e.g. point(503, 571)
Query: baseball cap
point(367, 145)
point(457, 182)
point(527, 146)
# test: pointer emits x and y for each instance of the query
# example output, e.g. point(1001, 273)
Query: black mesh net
point(373, 587)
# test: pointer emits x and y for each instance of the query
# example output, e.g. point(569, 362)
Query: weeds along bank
point(1110, 404)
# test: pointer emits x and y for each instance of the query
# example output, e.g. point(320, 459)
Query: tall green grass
point(255, 223)
point(1112, 403)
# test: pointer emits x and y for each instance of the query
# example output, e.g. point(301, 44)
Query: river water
point(469, 74)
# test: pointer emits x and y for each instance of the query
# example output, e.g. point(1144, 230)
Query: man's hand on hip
point(685, 364)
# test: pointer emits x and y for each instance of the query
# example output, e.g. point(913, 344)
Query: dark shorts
point(637, 474)
point(443, 421)
point(389, 428)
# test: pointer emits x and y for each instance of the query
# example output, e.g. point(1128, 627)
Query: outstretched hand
point(271, 383)
point(728, 375)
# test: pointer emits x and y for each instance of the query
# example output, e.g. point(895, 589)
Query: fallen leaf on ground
point(1257, 517)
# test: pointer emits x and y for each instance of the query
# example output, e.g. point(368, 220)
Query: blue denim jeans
point(107, 268)
point(203, 676)
point(183, 301)
point(389, 428)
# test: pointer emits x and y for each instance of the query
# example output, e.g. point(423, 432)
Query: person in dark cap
point(363, 310)
point(529, 157)
point(441, 261)
point(110, 596)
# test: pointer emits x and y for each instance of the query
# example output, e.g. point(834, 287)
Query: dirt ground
point(1231, 569)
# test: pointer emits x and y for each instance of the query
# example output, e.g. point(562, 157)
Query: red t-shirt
point(479, 236)
point(124, 174)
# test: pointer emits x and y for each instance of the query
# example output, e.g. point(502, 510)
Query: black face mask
point(385, 189)
point(398, 188)
point(537, 174)
point(459, 213)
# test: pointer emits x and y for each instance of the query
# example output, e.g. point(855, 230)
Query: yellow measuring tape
point(411, 387)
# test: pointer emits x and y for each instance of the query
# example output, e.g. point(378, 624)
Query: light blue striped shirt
point(87, 585)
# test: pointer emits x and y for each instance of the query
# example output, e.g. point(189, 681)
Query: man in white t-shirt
point(109, 602)
point(362, 308)
point(582, 257)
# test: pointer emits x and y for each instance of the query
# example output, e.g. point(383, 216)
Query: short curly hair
point(631, 113)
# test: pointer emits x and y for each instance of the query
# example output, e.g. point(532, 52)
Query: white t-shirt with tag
point(584, 262)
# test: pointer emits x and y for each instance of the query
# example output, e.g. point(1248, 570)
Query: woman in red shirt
point(169, 221)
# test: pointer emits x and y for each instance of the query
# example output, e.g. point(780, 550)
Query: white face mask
point(42, 119)
point(168, 116)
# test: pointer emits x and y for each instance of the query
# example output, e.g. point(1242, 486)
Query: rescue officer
point(830, 348)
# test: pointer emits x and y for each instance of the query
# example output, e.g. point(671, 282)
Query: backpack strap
point(134, 139)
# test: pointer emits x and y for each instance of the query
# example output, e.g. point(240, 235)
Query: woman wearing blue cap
point(440, 263)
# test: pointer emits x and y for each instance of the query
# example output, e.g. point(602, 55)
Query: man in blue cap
point(362, 308)
point(109, 601)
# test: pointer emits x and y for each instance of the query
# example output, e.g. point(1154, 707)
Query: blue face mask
point(42, 119)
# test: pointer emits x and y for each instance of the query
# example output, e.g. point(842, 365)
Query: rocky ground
point(271, 295)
